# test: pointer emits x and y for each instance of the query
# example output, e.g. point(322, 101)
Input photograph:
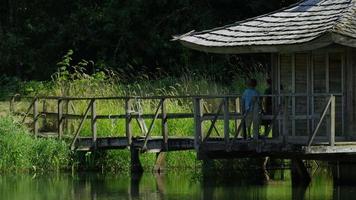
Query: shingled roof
point(307, 25)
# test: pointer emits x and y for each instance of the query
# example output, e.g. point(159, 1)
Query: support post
point(128, 127)
point(226, 122)
point(160, 162)
point(93, 122)
point(285, 120)
point(332, 122)
point(300, 174)
point(164, 125)
point(136, 166)
point(198, 116)
point(60, 118)
point(35, 117)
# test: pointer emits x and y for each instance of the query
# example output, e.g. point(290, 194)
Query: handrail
point(179, 96)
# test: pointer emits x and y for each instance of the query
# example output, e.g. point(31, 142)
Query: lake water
point(170, 186)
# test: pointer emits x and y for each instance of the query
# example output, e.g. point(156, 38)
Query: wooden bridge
point(215, 126)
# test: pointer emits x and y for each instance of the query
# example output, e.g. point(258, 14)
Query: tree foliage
point(130, 36)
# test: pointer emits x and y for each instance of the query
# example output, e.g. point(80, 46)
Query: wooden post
point(44, 109)
point(93, 122)
point(164, 125)
point(332, 121)
point(35, 117)
point(12, 104)
point(285, 120)
point(256, 116)
point(128, 106)
point(237, 111)
point(300, 174)
point(60, 117)
point(136, 166)
point(160, 162)
point(226, 122)
point(198, 115)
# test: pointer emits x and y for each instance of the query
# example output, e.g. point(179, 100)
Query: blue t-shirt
point(247, 98)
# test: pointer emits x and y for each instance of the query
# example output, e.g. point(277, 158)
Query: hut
point(313, 54)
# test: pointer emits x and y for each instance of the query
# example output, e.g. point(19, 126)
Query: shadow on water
point(171, 186)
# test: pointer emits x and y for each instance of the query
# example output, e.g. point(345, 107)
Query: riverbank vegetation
point(73, 80)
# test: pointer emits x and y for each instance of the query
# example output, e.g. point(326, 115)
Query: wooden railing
point(220, 110)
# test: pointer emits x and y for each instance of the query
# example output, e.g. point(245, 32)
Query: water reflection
point(172, 186)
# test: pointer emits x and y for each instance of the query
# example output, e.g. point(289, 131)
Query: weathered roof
point(307, 25)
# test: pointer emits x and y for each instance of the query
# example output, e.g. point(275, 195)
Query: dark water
point(173, 186)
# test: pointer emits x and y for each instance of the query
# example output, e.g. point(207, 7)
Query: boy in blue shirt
point(250, 98)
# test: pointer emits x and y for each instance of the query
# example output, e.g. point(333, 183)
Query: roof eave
point(344, 40)
point(319, 42)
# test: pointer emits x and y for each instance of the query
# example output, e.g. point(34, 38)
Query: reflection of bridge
point(215, 123)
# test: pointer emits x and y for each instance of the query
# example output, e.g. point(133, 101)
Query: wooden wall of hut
point(313, 74)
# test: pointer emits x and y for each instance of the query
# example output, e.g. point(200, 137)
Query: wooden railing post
point(44, 110)
point(237, 111)
point(12, 103)
point(285, 119)
point(93, 121)
point(226, 121)
point(128, 127)
point(164, 124)
point(198, 119)
point(60, 118)
point(35, 117)
point(332, 121)
point(256, 119)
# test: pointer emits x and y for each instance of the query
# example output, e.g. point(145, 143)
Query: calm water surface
point(171, 186)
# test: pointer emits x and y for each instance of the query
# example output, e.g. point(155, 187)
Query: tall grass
point(19, 151)
point(75, 82)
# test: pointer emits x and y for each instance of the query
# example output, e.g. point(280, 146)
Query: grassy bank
point(19, 151)
point(73, 81)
